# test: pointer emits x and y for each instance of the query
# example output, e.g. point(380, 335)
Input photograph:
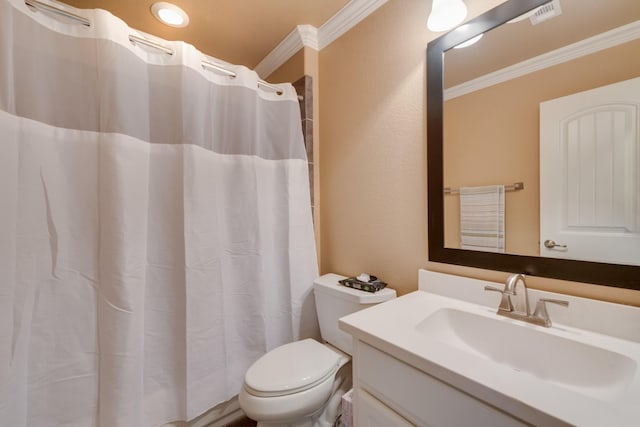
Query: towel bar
point(513, 187)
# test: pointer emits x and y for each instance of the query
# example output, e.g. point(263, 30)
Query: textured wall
point(477, 154)
point(373, 155)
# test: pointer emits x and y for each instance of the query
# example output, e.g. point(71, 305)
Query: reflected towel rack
point(513, 187)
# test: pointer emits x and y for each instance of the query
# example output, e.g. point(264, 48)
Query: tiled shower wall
point(304, 89)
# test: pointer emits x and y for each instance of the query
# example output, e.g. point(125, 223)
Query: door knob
point(550, 244)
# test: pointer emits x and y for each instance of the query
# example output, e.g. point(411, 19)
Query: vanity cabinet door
point(419, 398)
point(373, 413)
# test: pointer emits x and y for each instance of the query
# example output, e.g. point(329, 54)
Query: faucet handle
point(541, 309)
point(505, 302)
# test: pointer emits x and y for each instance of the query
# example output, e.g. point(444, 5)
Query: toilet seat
point(291, 368)
point(294, 399)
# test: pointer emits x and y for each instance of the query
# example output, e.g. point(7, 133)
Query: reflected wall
point(496, 142)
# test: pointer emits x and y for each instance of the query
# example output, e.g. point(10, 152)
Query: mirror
point(477, 74)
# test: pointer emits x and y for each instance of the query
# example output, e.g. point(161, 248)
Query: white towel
point(482, 218)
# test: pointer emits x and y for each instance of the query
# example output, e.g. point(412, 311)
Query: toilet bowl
point(293, 382)
point(301, 383)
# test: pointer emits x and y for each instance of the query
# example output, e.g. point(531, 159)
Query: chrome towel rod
point(513, 187)
point(52, 9)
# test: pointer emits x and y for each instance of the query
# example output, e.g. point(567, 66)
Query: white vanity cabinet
point(373, 413)
point(431, 359)
point(389, 392)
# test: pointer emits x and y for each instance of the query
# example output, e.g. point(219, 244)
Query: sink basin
point(582, 367)
point(583, 371)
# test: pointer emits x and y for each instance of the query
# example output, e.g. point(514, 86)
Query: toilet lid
point(291, 368)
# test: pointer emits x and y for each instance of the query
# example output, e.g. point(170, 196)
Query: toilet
point(300, 384)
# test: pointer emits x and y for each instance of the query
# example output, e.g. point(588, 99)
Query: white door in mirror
point(589, 175)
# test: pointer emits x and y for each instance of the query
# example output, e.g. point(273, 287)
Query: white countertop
point(391, 327)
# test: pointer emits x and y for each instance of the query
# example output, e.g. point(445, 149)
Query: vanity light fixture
point(170, 14)
point(446, 14)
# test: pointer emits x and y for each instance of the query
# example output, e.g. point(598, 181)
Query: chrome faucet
point(521, 310)
point(521, 293)
point(540, 313)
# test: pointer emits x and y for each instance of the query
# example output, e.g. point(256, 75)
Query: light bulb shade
point(469, 42)
point(446, 14)
point(170, 14)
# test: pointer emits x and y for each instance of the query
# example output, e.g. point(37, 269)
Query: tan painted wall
point(290, 71)
point(373, 152)
point(373, 138)
point(498, 143)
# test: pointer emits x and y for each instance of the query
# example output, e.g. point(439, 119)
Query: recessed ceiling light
point(170, 14)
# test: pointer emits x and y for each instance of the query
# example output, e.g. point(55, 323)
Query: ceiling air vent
point(546, 12)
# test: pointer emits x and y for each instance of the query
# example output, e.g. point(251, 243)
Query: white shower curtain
point(155, 225)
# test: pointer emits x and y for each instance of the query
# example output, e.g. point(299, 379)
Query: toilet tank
point(334, 301)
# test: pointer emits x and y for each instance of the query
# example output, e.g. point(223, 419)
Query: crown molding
point(608, 39)
point(317, 38)
point(347, 18)
point(308, 36)
point(288, 47)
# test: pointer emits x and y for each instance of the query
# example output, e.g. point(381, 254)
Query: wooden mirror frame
point(622, 276)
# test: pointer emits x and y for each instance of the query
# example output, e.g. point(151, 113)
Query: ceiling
point(244, 32)
point(237, 31)
point(512, 43)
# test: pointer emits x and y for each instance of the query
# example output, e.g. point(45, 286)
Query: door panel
point(589, 179)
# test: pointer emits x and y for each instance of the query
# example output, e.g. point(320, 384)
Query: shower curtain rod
point(49, 8)
point(141, 40)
